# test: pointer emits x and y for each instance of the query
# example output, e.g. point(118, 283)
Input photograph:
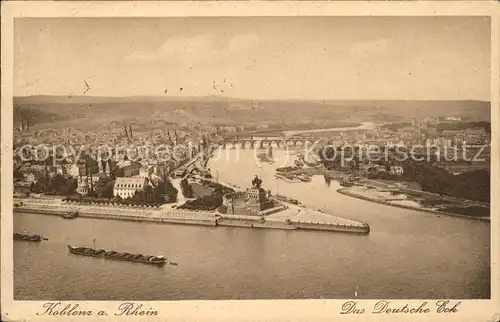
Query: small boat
point(70, 215)
point(304, 178)
point(26, 237)
point(346, 182)
point(287, 178)
point(298, 163)
point(113, 255)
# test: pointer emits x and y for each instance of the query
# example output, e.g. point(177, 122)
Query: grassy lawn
point(200, 191)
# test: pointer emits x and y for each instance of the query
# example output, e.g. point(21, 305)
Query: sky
point(390, 58)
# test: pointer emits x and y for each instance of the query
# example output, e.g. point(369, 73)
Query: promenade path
point(296, 213)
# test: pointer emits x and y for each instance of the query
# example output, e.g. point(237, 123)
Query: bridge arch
point(247, 144)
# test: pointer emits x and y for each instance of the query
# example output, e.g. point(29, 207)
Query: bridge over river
point(263, 142)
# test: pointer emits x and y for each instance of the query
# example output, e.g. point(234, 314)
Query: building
point(83, 186)
point(123, 163)
point(159, 170)
point(74, 170)
point(155, 179)
point(127, 187)
point(86, 183)
point(146, 171)
point(366, 167)
point(60, 169)
point(30, 177)
point(96, 177)
point(179, 173)
point(131, 170)
point(22, 188)
point(396, 170)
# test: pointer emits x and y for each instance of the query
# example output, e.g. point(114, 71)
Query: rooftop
point(133, 181)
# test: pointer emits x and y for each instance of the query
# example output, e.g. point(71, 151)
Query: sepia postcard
point(250, 161)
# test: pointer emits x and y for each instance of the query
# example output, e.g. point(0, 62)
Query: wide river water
point(408, 254)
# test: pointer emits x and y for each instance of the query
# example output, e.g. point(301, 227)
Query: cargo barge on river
point(26, 237)
point(70, 215)
point(113, 255)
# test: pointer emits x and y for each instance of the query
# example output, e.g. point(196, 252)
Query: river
point(364, 126)
point(408, 254)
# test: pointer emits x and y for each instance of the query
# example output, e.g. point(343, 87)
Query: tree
point(59, 185)
point(165, 190)
point(104, 188)
point(145, 196)
point(18, 174)
point(187, 190)
point(40, 186)
point(470, 185)
point(116, 172)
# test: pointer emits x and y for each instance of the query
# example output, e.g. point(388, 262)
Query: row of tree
point(207, 203)
point(474, 185)
point(163, 192)
point(56, 185)
point(210, 202)
point(114, 201)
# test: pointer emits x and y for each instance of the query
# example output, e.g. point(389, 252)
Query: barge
point(26, 237)
point(70, 215)
point(113, 255)
point(287, 178)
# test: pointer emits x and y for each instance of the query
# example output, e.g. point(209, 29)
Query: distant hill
point(88, 110)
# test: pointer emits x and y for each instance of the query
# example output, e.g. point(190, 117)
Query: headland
point(250, 208)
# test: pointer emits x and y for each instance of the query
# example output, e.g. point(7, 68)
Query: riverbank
point(362, 192)
point(117, 213)
point(399, 194)
point(290, 217)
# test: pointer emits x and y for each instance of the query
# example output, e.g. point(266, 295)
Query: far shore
point(400, 188)
point(349, 192)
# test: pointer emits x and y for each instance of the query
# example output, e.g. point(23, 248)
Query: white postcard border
point(286, 310)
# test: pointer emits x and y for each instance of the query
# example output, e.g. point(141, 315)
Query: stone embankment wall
point(359, 229)
point(179, 217)
point(249, 223)
point(132, 214)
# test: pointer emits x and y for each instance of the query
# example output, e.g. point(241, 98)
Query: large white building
point(127, 187)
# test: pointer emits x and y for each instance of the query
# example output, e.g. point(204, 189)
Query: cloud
point(198, 47)
point(371, 48)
